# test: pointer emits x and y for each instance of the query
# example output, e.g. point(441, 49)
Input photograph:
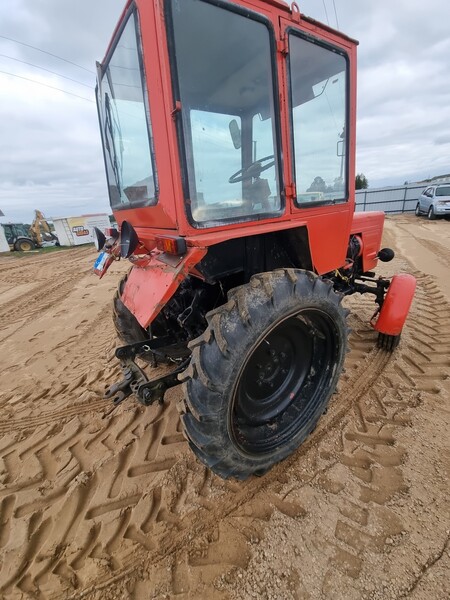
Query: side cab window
point(319, 120)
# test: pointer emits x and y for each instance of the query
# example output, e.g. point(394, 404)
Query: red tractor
point(228, 131)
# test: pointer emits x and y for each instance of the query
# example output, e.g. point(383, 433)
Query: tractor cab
point(218, 115)
point(228, 131)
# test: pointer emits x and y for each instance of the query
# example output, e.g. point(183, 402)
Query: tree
point(361, 182)
point(318, 185)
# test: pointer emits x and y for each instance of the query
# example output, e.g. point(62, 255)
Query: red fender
point(396, 305)
point(154, 280)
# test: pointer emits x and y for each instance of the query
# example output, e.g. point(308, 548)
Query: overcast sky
point(50, 151)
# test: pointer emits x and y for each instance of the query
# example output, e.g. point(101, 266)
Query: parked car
point(434, 202)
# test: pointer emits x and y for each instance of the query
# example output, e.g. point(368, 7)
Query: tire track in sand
point(119, 494)
point(109, 480)
point(221, 540)
point(349, 504)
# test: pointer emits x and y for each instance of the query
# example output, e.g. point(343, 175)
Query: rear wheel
point(263, 372)
point(417, 211)
point(431, 214)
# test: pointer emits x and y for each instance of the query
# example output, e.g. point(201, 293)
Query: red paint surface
point(369, 225)
point(328, 226)
point(396, 304)
point(149, 288)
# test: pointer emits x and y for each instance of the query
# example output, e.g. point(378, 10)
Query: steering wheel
point(253, 170)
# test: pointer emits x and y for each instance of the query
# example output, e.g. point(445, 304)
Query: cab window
point(318, 84)
point(223, 62)
point(125, 124)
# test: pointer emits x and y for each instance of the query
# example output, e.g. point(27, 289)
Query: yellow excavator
point(23, 238)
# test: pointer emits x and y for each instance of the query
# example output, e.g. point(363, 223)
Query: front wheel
point(431, 214)
point(262, 373)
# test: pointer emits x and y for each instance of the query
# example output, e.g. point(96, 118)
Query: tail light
point(112, 232)
point(171, 245)
point(385, 254)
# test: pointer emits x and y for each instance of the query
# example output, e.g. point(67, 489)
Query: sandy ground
point(118, 507)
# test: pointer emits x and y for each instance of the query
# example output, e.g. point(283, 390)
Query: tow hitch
point(135, 381)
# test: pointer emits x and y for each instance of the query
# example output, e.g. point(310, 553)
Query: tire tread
point(217, 357)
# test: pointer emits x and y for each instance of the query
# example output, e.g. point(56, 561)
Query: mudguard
point(396, 305)
point(152, 282)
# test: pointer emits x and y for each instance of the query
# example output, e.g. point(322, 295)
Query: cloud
point(403, 98)
point(50, 151)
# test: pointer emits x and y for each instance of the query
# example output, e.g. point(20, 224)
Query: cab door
point(319, 80)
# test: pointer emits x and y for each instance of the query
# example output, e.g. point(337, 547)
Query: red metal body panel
point(369, 225)
point(328, 239)
point(396, 304)
point(150, 287)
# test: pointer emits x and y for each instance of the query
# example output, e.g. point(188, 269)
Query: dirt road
point(120, 508)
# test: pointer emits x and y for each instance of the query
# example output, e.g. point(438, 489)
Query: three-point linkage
point(135, 381)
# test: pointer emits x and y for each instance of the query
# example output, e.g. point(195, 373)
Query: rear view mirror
point(235, 134)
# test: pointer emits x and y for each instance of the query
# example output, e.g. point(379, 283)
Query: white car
point(434, 202)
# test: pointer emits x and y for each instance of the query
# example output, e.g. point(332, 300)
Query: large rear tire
point(263, 372)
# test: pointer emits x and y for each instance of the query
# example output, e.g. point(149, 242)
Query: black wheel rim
point(285, 382)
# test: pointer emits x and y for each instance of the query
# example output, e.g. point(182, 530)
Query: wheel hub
point(274, 373)
point(280, 383)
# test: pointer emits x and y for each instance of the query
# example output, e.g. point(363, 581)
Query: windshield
point(125, 125)
point(443, 191)
point(229, 131)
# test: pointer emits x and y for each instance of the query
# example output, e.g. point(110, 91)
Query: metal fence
point(390, 200)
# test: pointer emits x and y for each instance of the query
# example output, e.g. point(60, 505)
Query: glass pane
point(210, 137)
point(318, 88)
point(124, 123)
point(224, 68)
point(443, 191)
